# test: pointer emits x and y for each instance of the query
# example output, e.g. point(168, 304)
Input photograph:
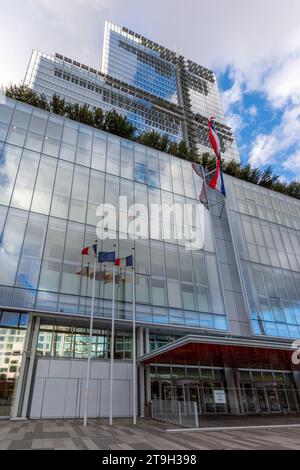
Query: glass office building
point(222, 316)
point(154, 87)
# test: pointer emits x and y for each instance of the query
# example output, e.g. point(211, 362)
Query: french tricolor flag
point(214, 139)
point(89, 250)
point(217, 181)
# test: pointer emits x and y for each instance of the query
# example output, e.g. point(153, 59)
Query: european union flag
point(106, 256)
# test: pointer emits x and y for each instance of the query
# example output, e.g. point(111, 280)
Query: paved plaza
point(146, 435)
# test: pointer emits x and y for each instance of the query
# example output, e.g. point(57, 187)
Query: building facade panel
point(268, 242)
point(52, 215)
point(154, 87)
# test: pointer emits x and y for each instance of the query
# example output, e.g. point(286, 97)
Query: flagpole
point(134, 340)
point(209, 206)
point(90, 348)
point(112, 348)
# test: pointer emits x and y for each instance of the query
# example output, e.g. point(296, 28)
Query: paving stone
point(147, 434)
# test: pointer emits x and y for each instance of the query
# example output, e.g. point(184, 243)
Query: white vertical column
point(134, 343)
point(88, 372)
point(215, 243)
point(112, 348)
point(22, 373)
point(29, 378)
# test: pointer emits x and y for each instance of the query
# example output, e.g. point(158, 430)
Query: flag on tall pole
point(217, 181)
point(214, 138)
point(110, 257)
point(133, 337)
point(92, 250)
point(112, 347)
point(124, 262)
point(202, 192)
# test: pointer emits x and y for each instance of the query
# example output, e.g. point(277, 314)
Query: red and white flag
point(214, 139)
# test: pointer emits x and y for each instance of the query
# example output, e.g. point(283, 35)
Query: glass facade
point(154, 87)
point(73, 343)
point(268, 240)
point(127, 58)
point(78, 83)
point(136, 60)
point(258, 391)
point(54, 173)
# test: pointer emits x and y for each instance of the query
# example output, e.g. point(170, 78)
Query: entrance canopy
point(224, 352)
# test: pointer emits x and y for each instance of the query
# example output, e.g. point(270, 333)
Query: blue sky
point(253, 47)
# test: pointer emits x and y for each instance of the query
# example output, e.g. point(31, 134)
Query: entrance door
point(11, 342)
point(249, 399)
point(273, 400)
point(192, 395)
point(262, 401)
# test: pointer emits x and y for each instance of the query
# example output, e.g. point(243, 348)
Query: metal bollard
point(196, 414)
point(179, 413)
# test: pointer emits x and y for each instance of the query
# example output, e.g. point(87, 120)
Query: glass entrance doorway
point(11, 346)
point(267, 392)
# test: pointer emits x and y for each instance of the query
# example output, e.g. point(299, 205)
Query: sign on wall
point(219, 396)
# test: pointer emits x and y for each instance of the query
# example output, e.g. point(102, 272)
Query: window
point(113, 155)
point(44, 185)
point(72, 259)
point(62, 190)
point(96, 195)
point(9, 161)
point(23, 190)
point(126, 159)
point(142, 289)
point(69, 141)
point(19, 125)
point(53, 136)
point(188, 296)
point(84, 145)
point(142, 258)
point(36, 131)
point(11, 243)
point(79, 194)
point(158, 292)
point(99, 150)
point(30, 262)
point(174, 294)
point(53, 255)
point(6, 112)
point(172, 262)
point(186, 269)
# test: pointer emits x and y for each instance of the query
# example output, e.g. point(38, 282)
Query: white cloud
point(257, 41)
point(252, 111)
point(283, 139)
point(283, 85)
point(235, 121)
point(232, 96)
point(292, 164)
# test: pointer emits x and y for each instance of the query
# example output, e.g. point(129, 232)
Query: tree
point(208, 160)
point(58, 105)
point(151, 139)
point(267, 178)
point(173, 148)
point(119, 125)
point(164, 143)
point(293, 189)
point(183, 150)
point(98, 118)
